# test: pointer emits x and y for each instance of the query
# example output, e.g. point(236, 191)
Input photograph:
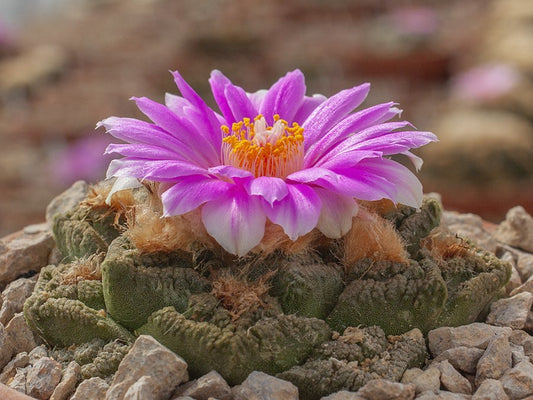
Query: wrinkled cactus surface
point(313, 316)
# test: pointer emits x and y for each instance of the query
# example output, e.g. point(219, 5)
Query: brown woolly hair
point(443, 245)
point(373, 237)
point(121, 203)
point(275, 239)
point(84, 269)
point(238, 295)
point(150, 231)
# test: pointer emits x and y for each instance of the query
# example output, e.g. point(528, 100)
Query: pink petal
point(284, 97)
point(349, 126)
point(145, 151)
point(236, 221)
point(190, 192)
point(269, 188)
point(183, 130)
point(331, 111)
point(207, 123)
point(307, 107)
point(298, 212)
point(257, 97)
point(336, 215)
point(155, 170)
point(176, 104)
point(218, 82)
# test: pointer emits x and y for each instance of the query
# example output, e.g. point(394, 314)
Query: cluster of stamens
point(264, 150)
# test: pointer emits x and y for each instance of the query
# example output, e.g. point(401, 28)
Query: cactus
point(276, 310)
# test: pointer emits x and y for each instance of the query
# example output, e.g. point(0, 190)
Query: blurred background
point(461, 69)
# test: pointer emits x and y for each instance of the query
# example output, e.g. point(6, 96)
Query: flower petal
point(359, 182)
point(349, 126)
point(284, 97)
point(208, 124)
point(269, 188)
point(191, 192)
point(307, 107)
point(184, 130)
point(336, 215)
point(155, 170)
point(298, 212)
point(236, 221)
point(232, 100)
point(257, 97)
point(120, 184)
point(331, 111)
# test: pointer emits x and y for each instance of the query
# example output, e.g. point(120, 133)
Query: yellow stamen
point(264, 150)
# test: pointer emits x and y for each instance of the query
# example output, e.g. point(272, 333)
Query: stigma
point(263, 150)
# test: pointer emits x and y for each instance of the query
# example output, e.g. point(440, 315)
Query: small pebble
point(343, 395)
point(382, 389)
point(38, 352)
point(6, 351)
point(142, 390)
point(496, 360)
point(518, 381)
point(442, 395)
point(42, 378)
point(209, 385)
point(91, 389)
point(259, 385)
point(19, 380)
point(464, 359)
point(70, 377)
point(21, 360)
point(452, 380)
point(517, 229)
point(423, 380)
point(512, 311)
point(476, 334)
point(14, 296)
point(20, 336)
point(490, 389)
point(521, 338)
point(148, 357)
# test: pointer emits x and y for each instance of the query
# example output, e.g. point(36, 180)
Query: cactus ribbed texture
point(277, 312)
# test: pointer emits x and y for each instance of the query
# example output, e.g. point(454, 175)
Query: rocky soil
point(488, 359)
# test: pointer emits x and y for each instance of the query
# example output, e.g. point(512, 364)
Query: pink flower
point(299, 161)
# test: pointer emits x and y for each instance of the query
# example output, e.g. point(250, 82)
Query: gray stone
point(442, 395)
point(382, 389)
point(521, 338)
point(527, 286)
point(464, 359)
point(470, 226)
point(148, 357)
point(20, 336)
point(517, 354)
point(209, 385)
point(18, 382)
point(423, 380)
point(24, 252)
point(42, 378)
point(343, 395)
point(518, 381)
point(183, 398)
point(67, 200)
point(21, 360)
point(14, 296)
point(524, 265)
point(260, 386)
point(69, 380)
point(473, 335)
point(517, 229)
point(143, 389)
point(452, 380)
point(6, 351)
point(490, 389)
point(91, 389)
point(512, 311)
point(37, 353)
point(496, 360)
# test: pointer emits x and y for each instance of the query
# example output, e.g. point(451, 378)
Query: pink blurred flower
point(485, 82)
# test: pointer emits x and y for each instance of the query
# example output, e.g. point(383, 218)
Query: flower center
point(264, 150)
